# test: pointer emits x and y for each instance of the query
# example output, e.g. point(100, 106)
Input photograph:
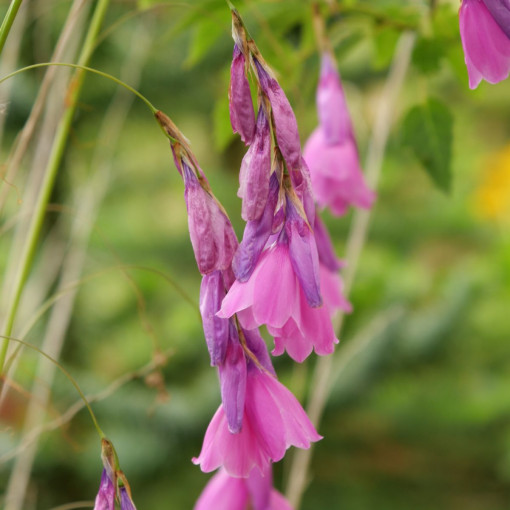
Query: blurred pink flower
point(331, 152)
point(485, 40)
point(256, 493)
point(273, 421)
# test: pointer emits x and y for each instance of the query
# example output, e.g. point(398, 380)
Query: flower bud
point(242, 116)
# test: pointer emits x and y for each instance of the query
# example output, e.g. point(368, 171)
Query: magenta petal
point(275, 287)
point(486, 47)
point(287, 133)
point(332, 291)
point(233, 382)
point(291, 339)
point(331, 104)
point(255, 170)
point(299, 430)
point(316, 324)
point(256, 234)
point(278, 502)
point(238, 453)
point(105, 499)
point(216, 330)
point(242, 116)
point(223, 492)
point(303, 254)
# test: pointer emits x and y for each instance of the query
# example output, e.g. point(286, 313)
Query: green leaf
point(428, 131)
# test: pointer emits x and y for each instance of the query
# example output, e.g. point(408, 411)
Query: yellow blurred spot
point(492, 200)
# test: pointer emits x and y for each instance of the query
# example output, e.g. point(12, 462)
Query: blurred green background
point(421, 417)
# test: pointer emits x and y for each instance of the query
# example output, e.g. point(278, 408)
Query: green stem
point(67, 374)
point(55, 158)
point(110, 77)
point(8, 21)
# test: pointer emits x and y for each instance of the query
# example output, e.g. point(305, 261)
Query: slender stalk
point(10, 15)
point(57, 152)
point(110, 77)
point(321, 383)
point(68, 375)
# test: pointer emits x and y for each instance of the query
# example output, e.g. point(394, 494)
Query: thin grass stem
point(9, 18)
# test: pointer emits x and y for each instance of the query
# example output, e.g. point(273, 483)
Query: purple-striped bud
point(126, 503)
point(105, 499)
point(331, 104)
point(216, 330)
point(325, 248)
point(233, 382)
point(242, 116)
point(287, 133)
point(212, 236)
point(255, 170)
point(303, 254)
point(256, 234)
point(500, 10)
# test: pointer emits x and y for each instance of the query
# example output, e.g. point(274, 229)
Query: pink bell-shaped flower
point(485, 39)
point(331, 151)
point(273, 421)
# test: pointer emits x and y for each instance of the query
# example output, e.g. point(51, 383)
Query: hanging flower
point(255, 493)
point(331, 151)
point(485, 34)
point(105, 499)
point(273, 421)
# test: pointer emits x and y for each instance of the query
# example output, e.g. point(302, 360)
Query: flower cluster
point(283, 274)
point(485, 34)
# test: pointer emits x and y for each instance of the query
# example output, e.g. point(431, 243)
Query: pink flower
point(273, 421)
point(486, 45)
point(105, 499)
point(242, 116)
point(337, 179)
point(273, 296)
point(331, 152)
point(224, 492)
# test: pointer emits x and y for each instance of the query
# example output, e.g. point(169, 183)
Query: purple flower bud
point(105, 499)
point(255, 170)
point(242, 116)
point(233, 382)
point(331, 104)
point(303, 254)
point(126, 503)
point(212, 236)
point(325, 248)
point(256, 234)
point(216, 330)
point(500, 10)
point(287, 133)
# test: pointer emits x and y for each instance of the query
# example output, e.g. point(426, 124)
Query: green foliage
point(428, 131)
